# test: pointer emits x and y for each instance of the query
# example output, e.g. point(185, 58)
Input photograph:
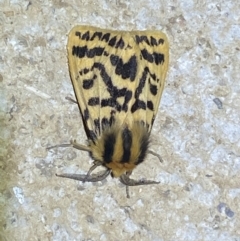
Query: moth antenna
point(86, 178)
point(125, 179)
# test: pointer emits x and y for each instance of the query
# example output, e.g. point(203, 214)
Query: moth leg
point(79, 146)
point(96, 164)
point(93, 178)
point(72, 100)
point(125, 179)
point(61, 145)
point(127, 191)
point(155, 154)
point(72, 143)
point(84, 178)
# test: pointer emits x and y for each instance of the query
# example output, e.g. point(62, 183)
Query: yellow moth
point(118, 79)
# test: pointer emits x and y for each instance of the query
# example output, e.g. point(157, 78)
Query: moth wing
point(117, 75)
point(153, 65)
point(83, 76)
point(98, 78)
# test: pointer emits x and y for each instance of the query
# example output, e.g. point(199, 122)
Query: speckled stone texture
point(197, 129)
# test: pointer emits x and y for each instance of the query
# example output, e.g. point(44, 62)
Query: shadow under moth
point(118, 79)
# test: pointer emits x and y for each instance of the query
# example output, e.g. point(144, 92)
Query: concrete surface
point(196, 130)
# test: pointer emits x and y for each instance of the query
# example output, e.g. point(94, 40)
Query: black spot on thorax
point(127, 144)
point(109, 144)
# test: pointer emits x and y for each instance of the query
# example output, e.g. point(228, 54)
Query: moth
point(118, 79)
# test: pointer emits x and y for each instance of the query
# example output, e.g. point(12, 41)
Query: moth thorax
point(121, 148)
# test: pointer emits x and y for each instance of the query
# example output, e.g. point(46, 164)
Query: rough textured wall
point(196, 130)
